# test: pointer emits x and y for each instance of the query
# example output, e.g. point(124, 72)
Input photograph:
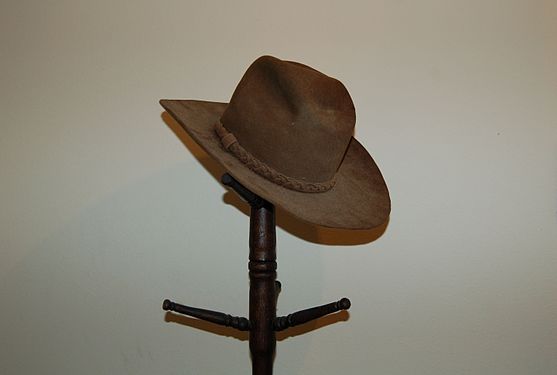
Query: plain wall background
point(106, 208)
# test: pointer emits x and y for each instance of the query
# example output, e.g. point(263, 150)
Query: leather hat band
point(231, 144)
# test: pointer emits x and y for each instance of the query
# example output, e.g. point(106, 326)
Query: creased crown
point(291, 117)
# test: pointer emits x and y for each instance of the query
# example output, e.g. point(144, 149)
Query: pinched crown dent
point(292, 117)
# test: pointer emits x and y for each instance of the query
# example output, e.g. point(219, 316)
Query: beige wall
point(105, 211)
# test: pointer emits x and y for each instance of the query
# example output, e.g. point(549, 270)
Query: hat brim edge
point(359, 199)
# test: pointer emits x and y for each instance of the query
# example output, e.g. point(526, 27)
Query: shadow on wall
point(309, 232)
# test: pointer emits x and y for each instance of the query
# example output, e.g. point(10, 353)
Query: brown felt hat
point(287, 136)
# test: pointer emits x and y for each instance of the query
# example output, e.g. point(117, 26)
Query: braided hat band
point(231, 144)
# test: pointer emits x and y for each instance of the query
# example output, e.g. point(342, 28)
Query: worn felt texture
point(300, 122)
point(297, 120)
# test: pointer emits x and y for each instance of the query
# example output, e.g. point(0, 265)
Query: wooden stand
point(264, 289)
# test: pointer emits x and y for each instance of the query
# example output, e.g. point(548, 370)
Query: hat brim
point(358, 200)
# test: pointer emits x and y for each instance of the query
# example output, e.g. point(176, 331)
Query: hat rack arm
point(304, 316)
point(251, 198)
point(216, 317)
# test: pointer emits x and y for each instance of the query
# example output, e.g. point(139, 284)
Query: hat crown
point(291, 117)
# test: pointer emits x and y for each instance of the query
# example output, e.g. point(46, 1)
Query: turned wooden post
point(262, 294)
point(263, 291)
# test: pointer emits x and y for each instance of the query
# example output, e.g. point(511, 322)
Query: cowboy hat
point(287, 136)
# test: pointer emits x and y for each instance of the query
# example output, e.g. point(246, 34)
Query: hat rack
point(264, 288)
